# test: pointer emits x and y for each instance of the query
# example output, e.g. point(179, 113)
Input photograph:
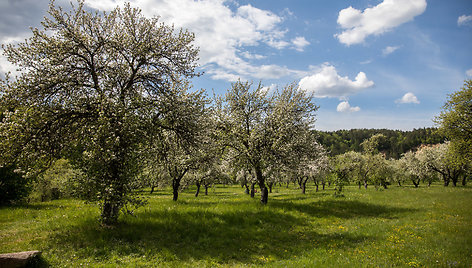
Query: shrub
point(13, 186)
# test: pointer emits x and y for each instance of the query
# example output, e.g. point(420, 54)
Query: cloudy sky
point(370, 63)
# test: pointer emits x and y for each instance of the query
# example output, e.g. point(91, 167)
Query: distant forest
point(396, 143)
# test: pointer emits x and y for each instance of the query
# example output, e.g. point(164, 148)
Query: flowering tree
point(93, 87)
point(259, 130)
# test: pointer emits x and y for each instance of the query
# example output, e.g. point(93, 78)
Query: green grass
point(395, 227)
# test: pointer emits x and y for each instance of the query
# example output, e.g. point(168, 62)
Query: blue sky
point(370, 64)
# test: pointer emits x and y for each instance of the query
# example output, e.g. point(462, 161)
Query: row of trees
point(110, 93)
point(427, 164)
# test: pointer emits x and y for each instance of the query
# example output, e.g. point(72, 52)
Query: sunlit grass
point(395, 227)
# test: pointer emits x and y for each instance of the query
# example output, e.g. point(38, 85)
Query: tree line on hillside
point(394, 144)
point(103, 108)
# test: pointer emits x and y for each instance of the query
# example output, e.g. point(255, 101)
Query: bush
point(13, 186)
point(58, 181)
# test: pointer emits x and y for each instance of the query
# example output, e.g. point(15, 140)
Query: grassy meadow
point(406, 227)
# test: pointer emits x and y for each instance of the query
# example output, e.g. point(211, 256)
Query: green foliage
point(13, 185)
point(393, 146)
point(456, 123)
point(60, 180)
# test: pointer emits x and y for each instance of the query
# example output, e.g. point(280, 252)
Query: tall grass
point(395, 227)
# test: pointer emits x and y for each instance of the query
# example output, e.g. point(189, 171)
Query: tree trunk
point(262, 186)
point(288, 183)
point(264, 195)
point(365, 184)
point(446, 180)
point(464, 180)
point(399, 184)
point(416, 183)
point(198, 189)
point(110, 212)
point(359, 183)
point(270, 184)
point(175, 188)
point(152, 189)
point(206, 188)
point(323, 185)
point(247, 189)
point(253, 191)
point(303, 187)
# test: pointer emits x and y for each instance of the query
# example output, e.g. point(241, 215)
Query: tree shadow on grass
point(344, 209)
point(200, 235)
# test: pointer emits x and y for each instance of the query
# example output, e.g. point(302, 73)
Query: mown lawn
point(395, 227)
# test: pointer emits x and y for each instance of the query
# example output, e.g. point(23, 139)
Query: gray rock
point(19, 259)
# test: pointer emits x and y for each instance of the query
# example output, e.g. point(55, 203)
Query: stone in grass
point(20, 259)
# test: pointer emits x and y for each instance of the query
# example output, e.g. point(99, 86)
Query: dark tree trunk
point(384, 185)
point(416, 183)
point(399, 183)
point(303, 187)
point(152, 189)
point(206, 188)
point(316, 185)
point(198, 189)
point(113, 202)
point(365, 184)
point(247, 189)
point(288, 183)
point(110, 212)
point(264, 195)
point(359, 184)
point(429, 183)
point(323, 185)
point(446, 180)
point(270, 184)
point(175, 188)
point(464, 180)
point(253, 191)
point(262, 186)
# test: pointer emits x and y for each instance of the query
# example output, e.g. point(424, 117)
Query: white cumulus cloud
point(224, 36)
point(326, 82)
point(464, 20)
point(357, 24)
point(300, 43)
point(389, 50)
point(345, 107)
point(408, 98)
point(468, 72)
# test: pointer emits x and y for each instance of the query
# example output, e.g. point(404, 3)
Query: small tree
point(183, 150)
point(259, 130)
point(438, 158)
point(342, 168)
